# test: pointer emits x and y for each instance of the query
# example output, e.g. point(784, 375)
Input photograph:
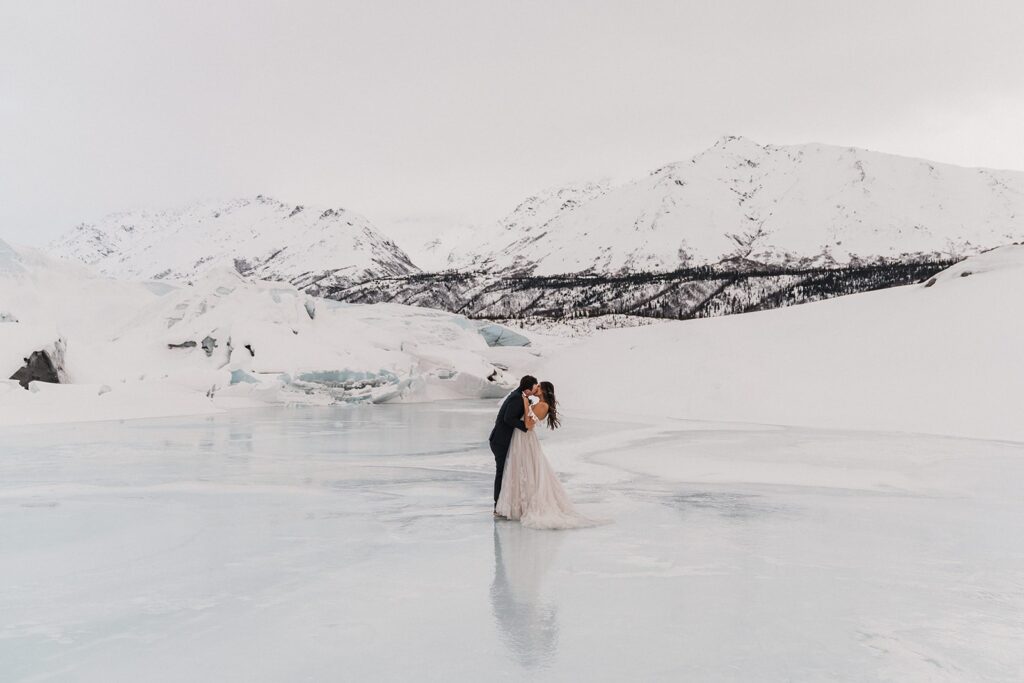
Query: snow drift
point(942, 357)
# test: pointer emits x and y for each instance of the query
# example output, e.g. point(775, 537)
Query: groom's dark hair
point(527, 382)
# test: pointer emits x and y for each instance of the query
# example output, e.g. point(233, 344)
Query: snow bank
point(137, 349)
point(942, 359)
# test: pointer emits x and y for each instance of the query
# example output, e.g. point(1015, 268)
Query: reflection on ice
point(526, 618)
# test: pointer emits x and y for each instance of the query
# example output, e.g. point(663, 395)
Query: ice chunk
point(499, 335)
point(238, 376)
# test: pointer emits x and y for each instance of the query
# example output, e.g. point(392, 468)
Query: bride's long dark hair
point(549, 395)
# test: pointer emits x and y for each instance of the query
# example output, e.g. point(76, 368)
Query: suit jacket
point(510, 418)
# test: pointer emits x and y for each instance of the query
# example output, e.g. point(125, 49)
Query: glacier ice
point(235, 340)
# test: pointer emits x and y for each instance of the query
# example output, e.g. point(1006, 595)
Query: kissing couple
point(525, 487)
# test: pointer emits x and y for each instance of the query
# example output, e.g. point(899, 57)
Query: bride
point(530, 491)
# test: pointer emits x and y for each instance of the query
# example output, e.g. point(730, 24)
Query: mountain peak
point(797, 205)
point(734, 146)
point(314, 247)
point(734, 140)
point(792, 205)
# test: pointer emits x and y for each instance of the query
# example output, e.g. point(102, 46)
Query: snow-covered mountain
point(738, 201)
point(506, 244)
point(432, 241)
point(739, 227)
point(801, 205)
point(310, 247)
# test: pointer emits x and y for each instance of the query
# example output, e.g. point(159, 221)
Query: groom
point(510, 418)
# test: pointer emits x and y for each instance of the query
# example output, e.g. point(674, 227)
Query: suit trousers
point(500, 453)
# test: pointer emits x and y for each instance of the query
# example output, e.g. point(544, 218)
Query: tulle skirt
point(530, 490)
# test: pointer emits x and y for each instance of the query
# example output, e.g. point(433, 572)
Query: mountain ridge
point(310, 247)
point(738, 227)
point(810, 204)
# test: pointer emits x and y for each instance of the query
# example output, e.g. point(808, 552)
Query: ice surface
point(356, 543)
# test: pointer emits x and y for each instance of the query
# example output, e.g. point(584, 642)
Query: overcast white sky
point(461, 109)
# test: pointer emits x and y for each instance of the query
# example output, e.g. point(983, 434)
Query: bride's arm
point(528, 417)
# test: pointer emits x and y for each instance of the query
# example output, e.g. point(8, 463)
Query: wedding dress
point(530, 490)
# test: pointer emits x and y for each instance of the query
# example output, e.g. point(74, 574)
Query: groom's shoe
point(497, 516)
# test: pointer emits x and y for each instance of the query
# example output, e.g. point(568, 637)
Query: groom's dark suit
point(510, 418)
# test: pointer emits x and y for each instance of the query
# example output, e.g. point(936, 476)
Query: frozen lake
point(357, 543)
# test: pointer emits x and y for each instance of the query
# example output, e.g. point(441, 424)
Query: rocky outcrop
point(39, 367)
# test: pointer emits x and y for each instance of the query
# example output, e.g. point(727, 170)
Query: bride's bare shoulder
point(541, 409)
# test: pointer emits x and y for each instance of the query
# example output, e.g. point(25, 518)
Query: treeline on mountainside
point(701, 292)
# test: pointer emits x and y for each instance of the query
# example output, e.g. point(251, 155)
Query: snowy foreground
point(356, 543)
point(942, 357)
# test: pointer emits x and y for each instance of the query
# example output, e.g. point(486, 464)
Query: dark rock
point(251, 352)
point(208, 344)
point(243, 266)
point(183, 345)
point(38, 368)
